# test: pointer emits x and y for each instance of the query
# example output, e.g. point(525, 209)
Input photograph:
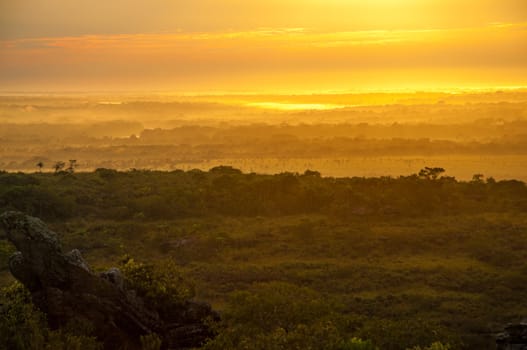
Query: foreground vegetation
point(300, 261)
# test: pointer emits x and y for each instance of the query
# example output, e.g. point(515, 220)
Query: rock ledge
point(63, 286)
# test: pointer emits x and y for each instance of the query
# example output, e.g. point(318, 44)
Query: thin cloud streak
point(297, 37)
point(247, 57)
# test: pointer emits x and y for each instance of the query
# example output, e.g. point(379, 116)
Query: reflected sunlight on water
point(296, 106)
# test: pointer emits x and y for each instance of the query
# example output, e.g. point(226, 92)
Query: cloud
point(280, 53)
point(295, 37)
point(61, 18)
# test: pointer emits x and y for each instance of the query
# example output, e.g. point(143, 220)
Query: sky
point(283, 46)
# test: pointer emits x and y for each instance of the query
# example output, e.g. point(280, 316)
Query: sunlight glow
point(274, 45)
point(295, 106)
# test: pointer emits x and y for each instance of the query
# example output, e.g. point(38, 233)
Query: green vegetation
point(164, 289)
point(299, 261)
point(23, 327)
point(156, 195)
point(153, 342)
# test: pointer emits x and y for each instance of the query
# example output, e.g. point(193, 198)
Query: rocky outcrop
point(514, 337)
point(62, 286)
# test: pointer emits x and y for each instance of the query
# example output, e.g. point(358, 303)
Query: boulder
point(63, 286)
point(513, 338)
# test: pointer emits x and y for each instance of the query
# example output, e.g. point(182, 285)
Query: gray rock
point(63, 286)
point(75, 257)
point(513, 338)
point(115, 276)
point(20, 270)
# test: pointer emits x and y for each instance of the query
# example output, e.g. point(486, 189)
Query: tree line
point(223, 190)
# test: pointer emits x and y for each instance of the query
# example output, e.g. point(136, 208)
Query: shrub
point(162, 286)
point(433, 346)
point(24, 327)
point(150, 342)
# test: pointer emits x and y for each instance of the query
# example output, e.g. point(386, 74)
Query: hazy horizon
point(170, 83)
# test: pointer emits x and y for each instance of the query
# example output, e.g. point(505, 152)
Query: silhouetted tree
point(58, 166)
point(311, 173)
point(478, 178)
point(430, 173)
point(40, 165)
point(72, 165)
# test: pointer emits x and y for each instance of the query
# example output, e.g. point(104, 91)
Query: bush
point(405, 333)
point(357, 344)
point(150, 342)
point(433, 346)
point(24, 327)
point(162, 286)
point(279, 316)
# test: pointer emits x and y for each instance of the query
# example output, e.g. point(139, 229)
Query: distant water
point(297, 106)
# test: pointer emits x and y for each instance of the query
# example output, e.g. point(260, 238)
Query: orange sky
point(261, 46)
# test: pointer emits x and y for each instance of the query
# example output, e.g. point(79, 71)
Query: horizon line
point(356, 91)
